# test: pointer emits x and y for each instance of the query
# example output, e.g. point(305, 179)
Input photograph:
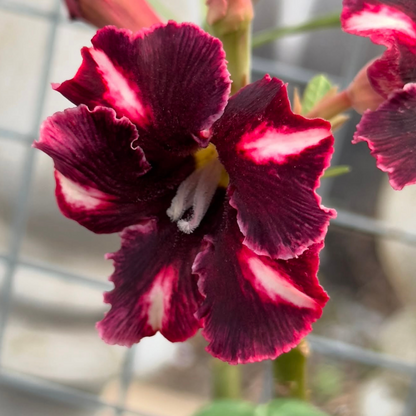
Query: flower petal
point(97, 211)
point(384, 73)
point(255, 308)
point(100, 170)
point(171, 81)
point(383, 21)
point(390, 132)
point(274, 159)
point(390, 23)
point(154, 287)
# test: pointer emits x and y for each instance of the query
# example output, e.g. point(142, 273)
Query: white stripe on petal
point(275, 286)
point(381, 17)
point(78, 196)
point(159, 297)
point(119, 93)
point(275, 145)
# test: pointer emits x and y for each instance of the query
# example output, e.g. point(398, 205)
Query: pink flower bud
point(361, 93)
point(231, 15)
point(128, 14)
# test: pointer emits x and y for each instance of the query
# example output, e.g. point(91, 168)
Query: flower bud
point(128, 14)
point(229, 15)
point(362, 94)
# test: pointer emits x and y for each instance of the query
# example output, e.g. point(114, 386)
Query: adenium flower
point(389, 130)
point(128, 14)
point(215, 199)
point(361, 94)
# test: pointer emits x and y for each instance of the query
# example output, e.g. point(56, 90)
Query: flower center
point(197, 190)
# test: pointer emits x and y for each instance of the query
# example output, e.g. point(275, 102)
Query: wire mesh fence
point(12, 258)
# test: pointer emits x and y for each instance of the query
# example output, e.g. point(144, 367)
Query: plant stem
point(269, 35)
point(332, 106)
point(237, 46)
point(226, 380)
point(290, 372)
point(230, 22)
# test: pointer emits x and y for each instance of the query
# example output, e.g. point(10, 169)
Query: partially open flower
point(362, 94)
point(391, 23)
point(128, 14)
point(220, 223)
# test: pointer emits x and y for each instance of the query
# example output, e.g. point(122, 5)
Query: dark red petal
point(90, 147)
point(391, 23)
point(255, 308)
point(274, 159)
point(384, 73)
point(100, 212)
point(383, 21)
point(171, 81)
point(407, 64)
point(393, 70)
point(99, 168)
point(154, 287)
point(390, 132)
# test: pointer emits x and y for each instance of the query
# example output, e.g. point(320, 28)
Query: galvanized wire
point(60, 393)
point(410, 404)
point(56, 392)
point(18, 226)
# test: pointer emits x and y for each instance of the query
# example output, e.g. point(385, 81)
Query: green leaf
point(227, 408)
point(288, 407)
point(316, 89)
point(334, 171)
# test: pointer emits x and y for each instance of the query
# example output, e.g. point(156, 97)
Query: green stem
point(237, 46)
point(290, 372)
point(226, 380)
point(269, 35)
point(330, 107)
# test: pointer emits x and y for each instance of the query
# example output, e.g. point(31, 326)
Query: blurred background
point(53, 272)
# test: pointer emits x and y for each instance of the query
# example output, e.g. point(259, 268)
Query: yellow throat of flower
point(204, 156)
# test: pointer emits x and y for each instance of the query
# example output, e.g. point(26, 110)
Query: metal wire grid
point(74, 397)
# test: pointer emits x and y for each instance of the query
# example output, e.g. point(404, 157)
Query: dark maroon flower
point(220, 223)
point(389, 130)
